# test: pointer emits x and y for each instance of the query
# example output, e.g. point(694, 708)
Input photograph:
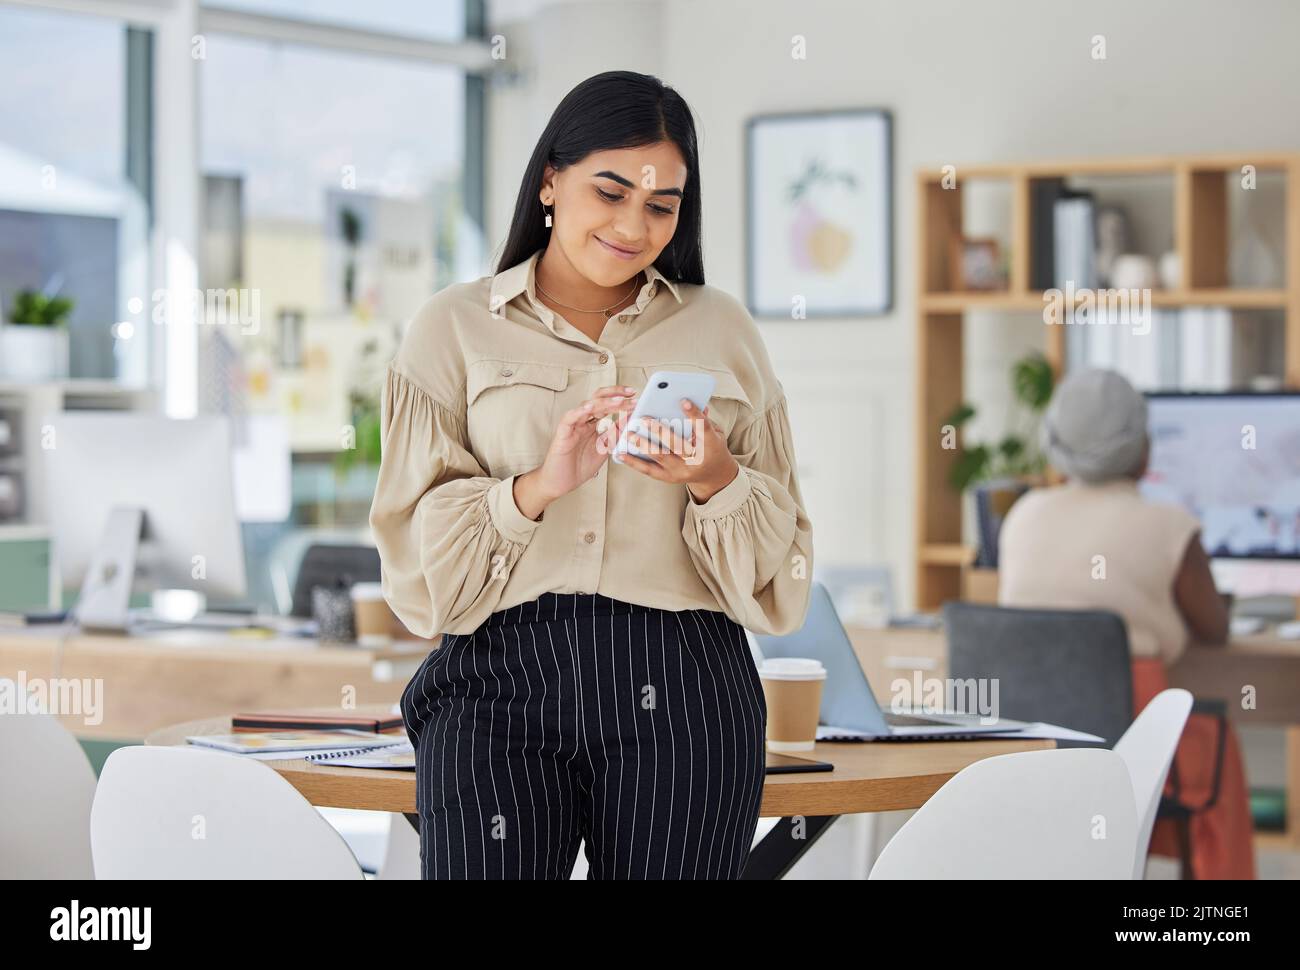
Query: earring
point(548, 216)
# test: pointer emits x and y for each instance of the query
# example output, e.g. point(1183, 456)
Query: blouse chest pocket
point(511, 410)
point(729, 407)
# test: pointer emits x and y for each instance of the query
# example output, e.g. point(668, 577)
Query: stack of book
point(1075, 249)
point(317, 719)
point(321, 736)
point(1063, 242)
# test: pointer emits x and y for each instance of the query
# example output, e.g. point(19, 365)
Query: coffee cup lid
point(793, 668)
point(367, 591)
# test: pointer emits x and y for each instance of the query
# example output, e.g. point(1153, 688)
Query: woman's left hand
point(704, 465)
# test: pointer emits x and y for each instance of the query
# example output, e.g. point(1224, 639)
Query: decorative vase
point(1112, 240)
point(1171, 270)
point(32, 354)
point(1254, 264)
point(1133, 272)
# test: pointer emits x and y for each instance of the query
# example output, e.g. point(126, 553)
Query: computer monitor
point(1233, 461)
point(141, 501)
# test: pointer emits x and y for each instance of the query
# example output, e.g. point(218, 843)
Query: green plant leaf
point(369, 438)
point(963, 413)
point(971, 466)
point(1033, 382)
point(1011, 447)
point(38, 310)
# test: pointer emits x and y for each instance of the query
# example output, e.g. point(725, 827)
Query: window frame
point(162, 89)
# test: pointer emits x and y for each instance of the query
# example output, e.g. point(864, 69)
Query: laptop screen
point(847, 701)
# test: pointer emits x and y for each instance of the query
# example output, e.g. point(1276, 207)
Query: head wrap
point(1095, 428)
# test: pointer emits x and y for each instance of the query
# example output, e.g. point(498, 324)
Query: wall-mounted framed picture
point(819, 233)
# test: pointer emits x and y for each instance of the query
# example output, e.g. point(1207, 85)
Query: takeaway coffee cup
point(371, 615)
point(793, 689)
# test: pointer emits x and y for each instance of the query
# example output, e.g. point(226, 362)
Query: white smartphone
point(660, 399)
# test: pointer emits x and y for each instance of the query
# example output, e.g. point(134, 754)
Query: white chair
point(187, 813)
point(1147, 748)
point(1032, 815)
point(46, 789)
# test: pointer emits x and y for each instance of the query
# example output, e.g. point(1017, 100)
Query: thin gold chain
point(605, 310)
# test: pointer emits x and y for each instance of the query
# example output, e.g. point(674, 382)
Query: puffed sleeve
point(751, 542)
point(448, 534)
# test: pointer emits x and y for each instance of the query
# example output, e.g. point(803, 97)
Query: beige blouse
point(472, 399)
point(1078, 546)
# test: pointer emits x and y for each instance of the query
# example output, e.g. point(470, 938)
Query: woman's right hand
point(578, 449)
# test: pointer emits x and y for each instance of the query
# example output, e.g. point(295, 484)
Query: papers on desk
point(143, 620)
point(1041, 729)
point(1038, 729)
point(284, 745)
point(400, 757)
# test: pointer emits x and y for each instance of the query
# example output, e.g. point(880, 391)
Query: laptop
point(847, 700)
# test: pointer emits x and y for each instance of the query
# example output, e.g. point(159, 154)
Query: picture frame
point(819, 211)
point(976, 264)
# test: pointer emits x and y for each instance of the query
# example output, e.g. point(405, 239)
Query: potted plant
point(999, 473)
point(34, 343)
point(363, 402)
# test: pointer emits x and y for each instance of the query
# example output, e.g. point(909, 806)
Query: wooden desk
point(867, 778)
point(1271, 666)
point(161, 678)
point(1264, 661)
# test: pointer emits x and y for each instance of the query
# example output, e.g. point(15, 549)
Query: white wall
point(967, 82)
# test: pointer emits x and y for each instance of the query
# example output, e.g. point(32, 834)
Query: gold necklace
point(608, 311)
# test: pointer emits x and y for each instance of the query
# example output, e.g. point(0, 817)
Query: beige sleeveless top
point(1079, 546)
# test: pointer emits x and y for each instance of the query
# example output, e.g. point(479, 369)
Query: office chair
point(332, 565)
point(1028, 815)
point(186, 813)
point(1068, 667)
point(1148, 748)
point(45, 801)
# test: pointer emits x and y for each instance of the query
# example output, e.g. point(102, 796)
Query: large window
point(333, 197)
point(74, 217)
point(426, 19)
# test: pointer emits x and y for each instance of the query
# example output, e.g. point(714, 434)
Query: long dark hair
point(616, 109)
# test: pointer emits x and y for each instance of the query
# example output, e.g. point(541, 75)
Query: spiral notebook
point(293, 742)
point(399, 756)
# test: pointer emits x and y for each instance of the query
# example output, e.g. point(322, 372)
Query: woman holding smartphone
point(594, 682)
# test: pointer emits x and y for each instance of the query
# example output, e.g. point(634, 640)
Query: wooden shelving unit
point(1201, 239)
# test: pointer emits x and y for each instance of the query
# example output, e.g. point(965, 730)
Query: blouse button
point(604, 358)
point(589, 537)
point(507, 372)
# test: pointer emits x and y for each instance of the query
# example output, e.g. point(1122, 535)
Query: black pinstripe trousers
point(580, 718)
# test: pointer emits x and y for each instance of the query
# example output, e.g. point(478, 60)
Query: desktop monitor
point(142, 501)
point(1233, 461)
